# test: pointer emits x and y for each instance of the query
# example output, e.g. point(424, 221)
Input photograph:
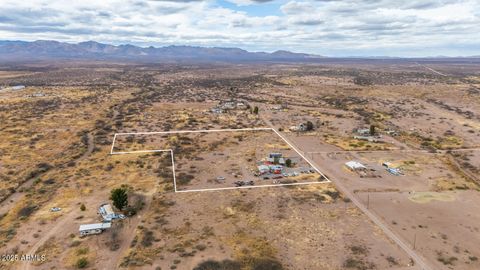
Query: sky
point(408, 28)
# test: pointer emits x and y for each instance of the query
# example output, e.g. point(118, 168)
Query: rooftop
point(94, 226)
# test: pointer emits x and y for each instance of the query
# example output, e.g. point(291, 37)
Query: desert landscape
point(351, 164)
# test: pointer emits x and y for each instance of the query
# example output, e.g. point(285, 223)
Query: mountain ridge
point(18, 50)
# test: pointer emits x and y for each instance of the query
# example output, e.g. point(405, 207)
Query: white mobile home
point(96, 228)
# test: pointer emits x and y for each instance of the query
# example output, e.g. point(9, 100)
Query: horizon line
point(250, 51)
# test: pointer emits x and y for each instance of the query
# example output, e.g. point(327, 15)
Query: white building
point(106, 211)
point(276, 160)
point(96, 228)
point(18, 87)
point(368, 138)
point(355, 166)
point(300, 127)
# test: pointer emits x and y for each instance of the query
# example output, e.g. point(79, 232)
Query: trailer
point(96, 228)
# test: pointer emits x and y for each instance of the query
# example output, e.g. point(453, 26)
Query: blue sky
point(326, 27)
point(271, 8)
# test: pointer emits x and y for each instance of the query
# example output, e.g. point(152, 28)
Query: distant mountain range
point(47, 49)
point(14, 51)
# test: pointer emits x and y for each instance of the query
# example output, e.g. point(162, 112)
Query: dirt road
point(433, 70)
point(26, 265)
point(398, 151)
point(90, 147)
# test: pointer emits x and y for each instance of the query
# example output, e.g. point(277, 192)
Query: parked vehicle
point(239, 183)
point(244, 183)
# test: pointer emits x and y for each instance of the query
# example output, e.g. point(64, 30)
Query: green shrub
point(119, 197)
point(215, 265)
point(82, 263)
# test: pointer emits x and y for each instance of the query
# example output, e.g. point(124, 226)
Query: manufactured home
point(96, 228)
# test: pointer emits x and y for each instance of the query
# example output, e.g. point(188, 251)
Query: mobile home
point(96, 228)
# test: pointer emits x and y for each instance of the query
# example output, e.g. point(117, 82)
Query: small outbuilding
point(280, 161)
point(276, 158)
point(106, 211)
point(355, 166)
point(275, 155)
point(18, 87)
point(362, 131)
point(394, 171)
point(263, 169)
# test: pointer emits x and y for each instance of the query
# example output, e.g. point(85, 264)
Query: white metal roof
point(263, 167)
point(355, 165)
point(95, 226)
point(106, 210)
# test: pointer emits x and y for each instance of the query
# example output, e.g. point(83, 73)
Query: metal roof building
point(95, 226)
point(354, 165)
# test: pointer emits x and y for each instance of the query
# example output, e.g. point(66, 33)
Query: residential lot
point(225, 158)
